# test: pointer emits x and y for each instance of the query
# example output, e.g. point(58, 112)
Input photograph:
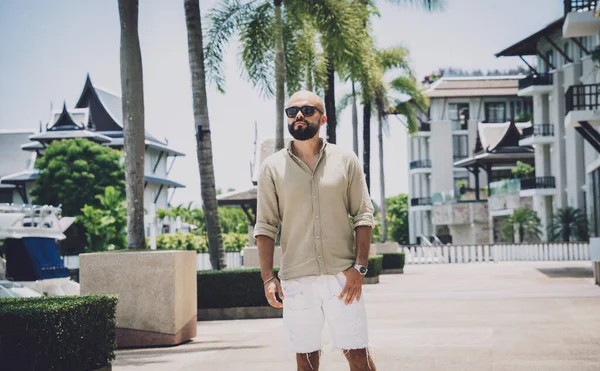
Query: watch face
point(363, 270)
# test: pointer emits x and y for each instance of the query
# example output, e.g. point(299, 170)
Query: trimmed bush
point(374, 267)
point(232, 242)
point(57, 333)
point(235, 242)
point(231, 288)
point(393, 260)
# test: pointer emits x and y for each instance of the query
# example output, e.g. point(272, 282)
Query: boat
point(28, 240)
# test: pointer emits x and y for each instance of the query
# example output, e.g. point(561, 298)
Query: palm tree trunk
point(354, 121)
point(132, 91)
point(330, 103)
point(382, 181)
point(279, 75)
point(203, 138)
point(367, 143)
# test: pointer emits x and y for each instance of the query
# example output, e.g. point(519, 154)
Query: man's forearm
point(363, 244)
point(266, 249)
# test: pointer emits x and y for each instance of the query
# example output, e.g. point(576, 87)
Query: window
point(495, 112)
point(501, 174)
point(460, 147)
point(550, 60)
point(6, 195)
point(459, 115)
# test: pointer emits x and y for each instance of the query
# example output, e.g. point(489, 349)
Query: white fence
point(233, 260)
point(501, 252)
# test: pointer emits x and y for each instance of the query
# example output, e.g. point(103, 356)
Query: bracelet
point(268, 279)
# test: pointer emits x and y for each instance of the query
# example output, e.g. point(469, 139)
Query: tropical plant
point(280, 41)
point(132, 91)
point(524, 117)
point(569, 224)
point(73, 172)
point(203, 136)
point(522, 170)
point(397, 214)
point(522, 226)
point(104, 226)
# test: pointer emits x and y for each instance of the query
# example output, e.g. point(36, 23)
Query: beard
point(304, 133)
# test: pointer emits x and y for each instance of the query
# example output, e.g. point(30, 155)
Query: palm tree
point(132, 91)
point(569, 224)
point(282, 31)
point(203, 137)
point(385, 105)
point(526, 223)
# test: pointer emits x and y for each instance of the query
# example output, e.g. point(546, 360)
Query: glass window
point(460, 147)
point(595, 193)
point(6, 196)
point(459, 115)
point(567, 50)
point(495, 112)
point(550, 59)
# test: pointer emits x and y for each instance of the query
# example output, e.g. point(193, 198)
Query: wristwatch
point(361, 269)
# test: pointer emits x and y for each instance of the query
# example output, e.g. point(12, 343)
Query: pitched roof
point(485, 86)
point(237, 197)
point(528, 46)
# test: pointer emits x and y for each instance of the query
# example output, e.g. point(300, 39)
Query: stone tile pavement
point(524, 316)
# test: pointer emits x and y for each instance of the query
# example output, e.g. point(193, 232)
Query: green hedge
point(57, 333)
point(393, 260)
point(232, 242)
point(374, 267)
point(231, 288)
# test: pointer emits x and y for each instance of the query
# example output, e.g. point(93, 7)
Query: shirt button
point(314, 196)
point(317, 237)
point(317, 217)
point(320, 257)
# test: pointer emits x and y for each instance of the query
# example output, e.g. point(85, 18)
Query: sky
point(48, 48)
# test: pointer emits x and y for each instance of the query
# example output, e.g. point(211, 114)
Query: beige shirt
point(313, 209)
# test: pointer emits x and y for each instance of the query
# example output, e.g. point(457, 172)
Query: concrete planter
point(371, 280)
point(251, 260)
point(594, 248)
point(393, 271)
point(383, 248)
point(156, 289)
point(219, 314)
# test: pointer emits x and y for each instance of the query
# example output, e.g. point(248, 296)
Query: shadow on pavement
point(568, 272)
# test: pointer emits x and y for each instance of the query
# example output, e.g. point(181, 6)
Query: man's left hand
point(353, 288)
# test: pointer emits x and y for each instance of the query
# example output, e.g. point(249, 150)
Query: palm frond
point(299, 47)
point(257, 37)
point(343, 103)
point(408, 85)
point(223, 21)
point(396, 57)
point(407, 110)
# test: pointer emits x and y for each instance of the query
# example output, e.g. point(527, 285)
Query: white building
point(449, 134)
point(564, 85)
point(97, 116)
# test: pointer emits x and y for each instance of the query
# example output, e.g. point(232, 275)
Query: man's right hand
point(271, 288)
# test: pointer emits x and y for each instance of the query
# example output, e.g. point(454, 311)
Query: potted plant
point(522, 170)
point(462, 186)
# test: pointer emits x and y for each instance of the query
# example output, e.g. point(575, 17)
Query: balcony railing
point(457, 125)
point(420, 164)
point(420, 201)
point(541, 182)
point(540, 130)
point(582, 97)
point(535, 80)
point(580, 5)
point(504, 187)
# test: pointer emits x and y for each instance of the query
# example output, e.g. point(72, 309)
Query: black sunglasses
point(307, 111)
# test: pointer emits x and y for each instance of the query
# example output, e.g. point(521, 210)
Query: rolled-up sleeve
point(267, 207)
point(359, 201)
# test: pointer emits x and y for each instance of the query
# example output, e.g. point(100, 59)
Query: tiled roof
point(481, 87)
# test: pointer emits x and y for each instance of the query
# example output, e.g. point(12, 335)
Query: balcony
point(535, 84)
point(582, 103)
point(420, 166)
point(581, 18)
point(537, 134)
point(424, 130)
point(538, 186)
point(420, 203)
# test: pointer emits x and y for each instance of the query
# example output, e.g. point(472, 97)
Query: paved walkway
point(468, 317)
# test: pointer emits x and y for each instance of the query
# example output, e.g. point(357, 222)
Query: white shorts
point(309, 301)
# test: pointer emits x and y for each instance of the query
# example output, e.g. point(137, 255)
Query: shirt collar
point(323, 145)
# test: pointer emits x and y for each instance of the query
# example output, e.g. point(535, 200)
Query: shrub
point(57, 333)
point(233, 242)
point(374, 267)
point(392, 260)
point(231, 288)
point(182, 241)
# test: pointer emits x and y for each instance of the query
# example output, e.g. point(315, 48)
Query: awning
point(33, 258)
point(162, 181)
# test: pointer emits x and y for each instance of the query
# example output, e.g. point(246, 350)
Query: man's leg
point(303, 322)
point(348, 324)
point(308, 361)
point(359, 360)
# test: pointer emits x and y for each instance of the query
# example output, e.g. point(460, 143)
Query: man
point(310, 188)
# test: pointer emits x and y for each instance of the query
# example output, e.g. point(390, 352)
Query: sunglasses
point(307, 111)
